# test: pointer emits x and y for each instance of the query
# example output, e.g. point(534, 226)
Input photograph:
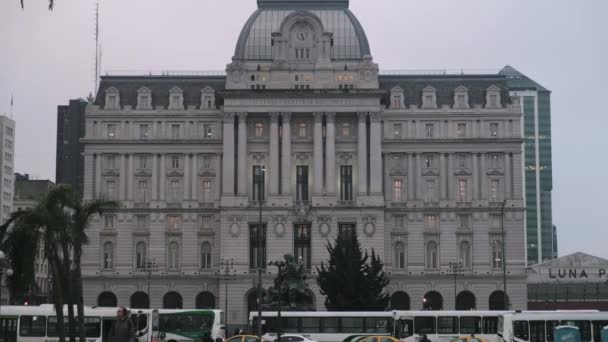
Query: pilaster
point(330, 153)
point(228, 153)
point(242, 156)
point(317, 180)
point(375, 155)
point(286, 153)
point(274, 154)
point(362, 153)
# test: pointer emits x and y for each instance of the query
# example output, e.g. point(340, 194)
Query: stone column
point(483, 177)
point(98, 175)
point(375, 154)
point(122, 162)
point(330, 153)
point(242, 156)
point(362, 152)
point(443, 176)
point(228, 153)
point(130, 177)
point(194, 178)
point(475, 177)
point(162, 180)
point(318, 154)
point(186, 182)
point(419, 188)
point(155, 172)
point(450, 183)
point(410, 177)
point(286, 154)
point(89, 182)
point(274, 154)
point(508, 180)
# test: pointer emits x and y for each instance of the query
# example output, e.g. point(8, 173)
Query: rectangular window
point(346, 129)
point(346, 183)
point(462, 130)
point(111, 189)
point(494, 183)
point(424, 325)
point(111, 131)
point(208, 131)
point(175, 99)
point(174, 222)
point(141, 222)
point(174, 191)
point(8, 143)
point(493, 129)
point(462, 190)
point(257, 246)
point(302, 183)
point(259, 129)
point(494, 101)
point(175, 131)
point(497, 254)
point(490, 325)
point(461, 101)
point(142, 162)
point(520, 330)
point(430, 221)
point(142, 192)
point(302, 129)
point(145, 101)
point(109, 221)
point(206, 191)
point(584, 327)
point(428, 100)
point(302, 244)
point(175, 162)
point(346, 230)
point(462, 161)
point(447, 325)
point(9, 131)
point(258, 182)
point(470, 325)
point(396, 101)
point(430, 191)
point(397, 130)
point(397, 190)
point(32, 326)
point(144, 131)
point(464, 221)
point(429, 161)
point(112, 101)
point(494, 161)
point(110, 162)
point(430, 130)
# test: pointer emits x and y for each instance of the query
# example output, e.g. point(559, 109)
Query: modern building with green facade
point(541, 239)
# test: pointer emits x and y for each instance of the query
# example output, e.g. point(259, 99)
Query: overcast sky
point(47, 58)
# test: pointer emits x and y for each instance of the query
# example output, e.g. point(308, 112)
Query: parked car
point(469, 338)
point(244, 338)
point(291, 338)
point(376, 338)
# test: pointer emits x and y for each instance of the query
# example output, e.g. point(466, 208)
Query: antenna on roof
point(97, 49)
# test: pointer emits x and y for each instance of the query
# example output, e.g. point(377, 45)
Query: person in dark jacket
point(122, 329)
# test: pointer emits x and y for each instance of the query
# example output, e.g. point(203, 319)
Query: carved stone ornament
point(258, 157)
point(279, 230)
point(302, 156)
point(369, 229)
point(324, 229)
point(235, 229)
point(318, 117)
point(229, 117)
point(345, 157)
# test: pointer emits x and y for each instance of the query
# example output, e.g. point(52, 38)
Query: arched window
point(464, 254)
point(431, 255)
point(400, 301)
point(140, 300)
point(497, 254)
point(205, 300)
point(206, 256)
point(432, 301)
point(399, 255)
point(173, 256)
point(172, 300)
point(108, 255)
point(465, 301)
point(497, 301)
point(107, 299)
point(140, 255)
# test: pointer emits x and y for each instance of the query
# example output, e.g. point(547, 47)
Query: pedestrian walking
point(122, 329)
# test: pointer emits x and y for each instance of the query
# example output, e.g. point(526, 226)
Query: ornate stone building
point(419, 166)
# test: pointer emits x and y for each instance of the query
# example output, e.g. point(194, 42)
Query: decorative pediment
point(144, 90)
point(176, 90)
point(463, 172)
point(397, 89)
point(429, 89)
point(112, 90)
point(493, 88)
point(461, 89)
point(208, 90)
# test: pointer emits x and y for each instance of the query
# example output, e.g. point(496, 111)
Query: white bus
point(323, 326)
point(182, 325)
point(540, 326)
point(410, 326)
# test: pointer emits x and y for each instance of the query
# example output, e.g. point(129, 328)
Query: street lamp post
point(260, 264)
point(149, 267)
point(226, 272)
point(456, 270)
point(504, 256)
point(4, 264)
point(279, 265)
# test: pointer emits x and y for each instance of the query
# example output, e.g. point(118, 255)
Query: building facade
point(27, 194)
point(574, 282)
point(541, 236)
point(425, 169)
point(7, 160)
point(69, 163)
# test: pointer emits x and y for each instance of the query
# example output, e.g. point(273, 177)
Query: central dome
point(349, 39)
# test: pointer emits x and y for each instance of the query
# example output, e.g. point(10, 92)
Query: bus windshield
point(186, 322)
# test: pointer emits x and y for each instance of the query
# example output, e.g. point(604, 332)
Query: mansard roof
point(574, 260)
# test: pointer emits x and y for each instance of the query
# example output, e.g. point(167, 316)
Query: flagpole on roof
point(11, 106)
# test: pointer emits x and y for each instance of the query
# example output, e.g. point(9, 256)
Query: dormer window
point(144, 98)
point(397, 98)
point(493, 97)
point(111, 131)
point(207, 98)
point(259, 129)
point(112, 99)
point(302, 129)
point(176, 98)
point(429, 98)
point(346, 129)
point(461, 97)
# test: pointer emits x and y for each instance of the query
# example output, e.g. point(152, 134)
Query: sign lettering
point(575, 273)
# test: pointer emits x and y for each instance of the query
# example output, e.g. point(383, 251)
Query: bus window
point(584, 327)
point(330, 325)
point(424, 325)
point(92, 326)
point(289, 324)
point(310, 324)
point(32, 326)
point(537, 331)
point(447, 325)
point(405, 328)
point(490, 325)
point(597, 330)
point(376, 325)
point(352, 324)
point(8, 329)
point(550, 328)
point(470, 325)
point(520, 330)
